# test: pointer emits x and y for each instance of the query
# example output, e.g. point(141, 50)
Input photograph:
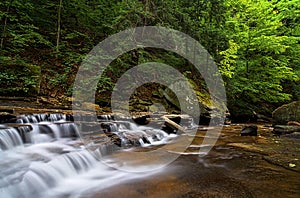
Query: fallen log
point(172, 124)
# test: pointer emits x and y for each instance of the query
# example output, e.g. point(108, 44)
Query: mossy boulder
point(207, 109)
point(285, 113)
point(184, 94)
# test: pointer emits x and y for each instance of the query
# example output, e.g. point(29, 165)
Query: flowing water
point(42, 155)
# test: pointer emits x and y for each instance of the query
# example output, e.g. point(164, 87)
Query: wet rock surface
point(249, 130)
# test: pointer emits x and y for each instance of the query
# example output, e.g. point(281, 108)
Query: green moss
point(287, 112)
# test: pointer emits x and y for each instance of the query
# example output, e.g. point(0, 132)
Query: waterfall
point(58, 130)
point(110, 126)
point(36, 118)
point(42, 156)
point(56, 117)
point(36, 133)
point(24, 132)
point(41, 117)
point(40, 176)
point(9, 138)
point(105, 117)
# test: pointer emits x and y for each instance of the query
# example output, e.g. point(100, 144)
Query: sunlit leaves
point(258, 63)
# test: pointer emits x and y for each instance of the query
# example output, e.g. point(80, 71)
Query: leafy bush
point(18, 78)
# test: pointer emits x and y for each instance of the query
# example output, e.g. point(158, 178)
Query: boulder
point(249, 130)
point(181, 92)
point(207, 110)
point(288, 112)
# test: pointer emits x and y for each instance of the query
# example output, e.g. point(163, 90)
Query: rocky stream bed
point(45, 154)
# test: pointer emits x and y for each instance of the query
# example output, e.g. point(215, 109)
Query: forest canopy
point(255, 44)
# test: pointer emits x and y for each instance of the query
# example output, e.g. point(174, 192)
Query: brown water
point(50, 162)
point(235, 167)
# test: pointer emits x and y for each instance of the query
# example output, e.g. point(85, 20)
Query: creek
point(49, 155)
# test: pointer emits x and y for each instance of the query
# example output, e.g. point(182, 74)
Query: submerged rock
point(285, 129)
point(249, 130)
point(288, 112)
point(295, 135)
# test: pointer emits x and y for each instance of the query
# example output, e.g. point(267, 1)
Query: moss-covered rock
point(182, 93)
point(286, 113)
point(206, 107)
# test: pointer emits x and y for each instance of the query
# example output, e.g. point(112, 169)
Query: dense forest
point(255, 44)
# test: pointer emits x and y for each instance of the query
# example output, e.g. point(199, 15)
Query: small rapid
point(9, 138)
point(108, 157)
point(42, 155)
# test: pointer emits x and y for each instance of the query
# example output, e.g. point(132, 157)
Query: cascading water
point(36, 118)
point(40, 176)
point(24, 132)
point(41, 154)
point(9, 138)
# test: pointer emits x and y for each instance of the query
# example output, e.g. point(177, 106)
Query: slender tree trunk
point(58, 26)
point(247, 55)
point(5, 25)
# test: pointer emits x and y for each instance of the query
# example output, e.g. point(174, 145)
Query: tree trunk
point(58, 26)
point(5, 25)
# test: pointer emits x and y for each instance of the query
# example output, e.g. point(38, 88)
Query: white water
point(9, 138)
point(42, 171)
point(55, 164)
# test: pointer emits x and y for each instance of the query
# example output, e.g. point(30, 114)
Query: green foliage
point(255, 44)
point(228, 63)
point(289, 15)
point(18, 78)
point(257, 59)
